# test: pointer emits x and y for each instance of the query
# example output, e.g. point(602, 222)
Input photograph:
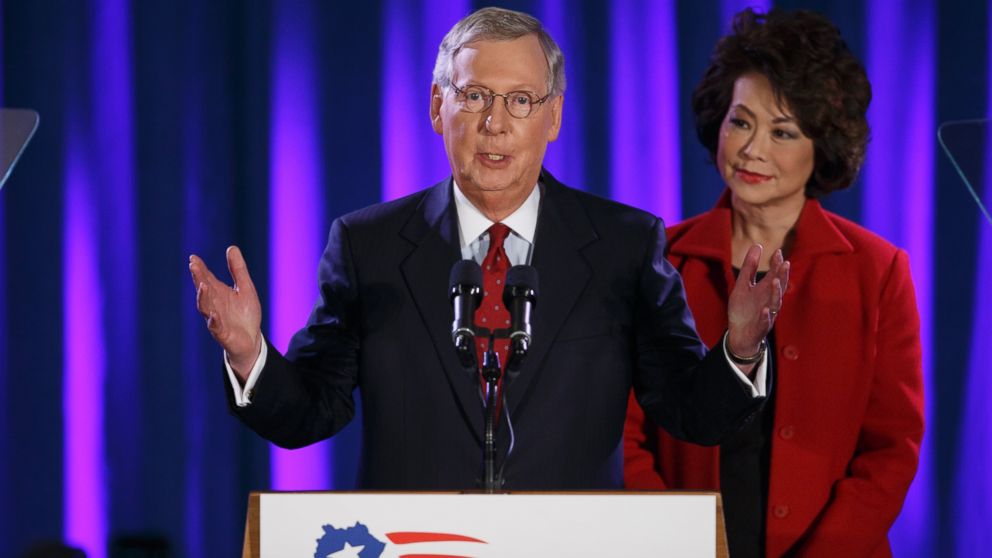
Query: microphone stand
point(490, 373)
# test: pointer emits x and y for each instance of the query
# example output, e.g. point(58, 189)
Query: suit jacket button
point(790, 352)
point(787, 432)
point(780, 512)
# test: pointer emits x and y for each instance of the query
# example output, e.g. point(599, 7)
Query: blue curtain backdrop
point(171, 128)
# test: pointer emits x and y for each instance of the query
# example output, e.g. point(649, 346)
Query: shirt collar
point(472, 223)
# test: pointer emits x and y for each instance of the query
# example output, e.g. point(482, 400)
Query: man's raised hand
point(753, 306)
point(233, 314)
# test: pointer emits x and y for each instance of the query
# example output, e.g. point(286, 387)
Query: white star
point(347, 552)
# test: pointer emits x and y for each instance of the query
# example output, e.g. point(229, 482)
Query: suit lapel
point(563, 273)
point(433, 230)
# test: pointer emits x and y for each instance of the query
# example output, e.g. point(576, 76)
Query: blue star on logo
point(350, 542)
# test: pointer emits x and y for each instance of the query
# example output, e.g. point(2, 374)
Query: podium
point(518, 524)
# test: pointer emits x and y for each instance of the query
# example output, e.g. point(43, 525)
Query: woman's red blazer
point(848, 379)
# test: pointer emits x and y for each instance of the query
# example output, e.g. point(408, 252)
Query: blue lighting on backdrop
point(296, 222)
point(898, 193)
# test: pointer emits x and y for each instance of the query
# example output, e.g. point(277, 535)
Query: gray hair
point(498, 24)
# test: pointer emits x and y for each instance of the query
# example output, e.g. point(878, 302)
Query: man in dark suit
point(611, 312)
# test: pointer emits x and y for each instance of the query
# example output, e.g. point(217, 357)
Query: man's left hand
point(753, 307)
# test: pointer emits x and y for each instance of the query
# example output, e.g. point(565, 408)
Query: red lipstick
point(751, 177)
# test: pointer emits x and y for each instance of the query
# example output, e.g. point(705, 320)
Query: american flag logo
point(357, 542)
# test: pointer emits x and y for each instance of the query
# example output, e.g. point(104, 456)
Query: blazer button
point(790, 352)
point(787, 432)
point(780, 512)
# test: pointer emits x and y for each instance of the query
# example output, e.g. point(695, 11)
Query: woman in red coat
point(824, 469)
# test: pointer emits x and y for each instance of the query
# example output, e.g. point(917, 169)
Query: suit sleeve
point(694, 395)
point(640, 444)
point(306, 395)
point(866, 502)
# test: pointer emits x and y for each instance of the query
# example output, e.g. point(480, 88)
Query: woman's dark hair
point(811, 69)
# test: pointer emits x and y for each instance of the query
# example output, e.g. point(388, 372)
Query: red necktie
point(492, 314)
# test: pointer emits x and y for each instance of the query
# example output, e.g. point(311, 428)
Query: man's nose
point(497, 118)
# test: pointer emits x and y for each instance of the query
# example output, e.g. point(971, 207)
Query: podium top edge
point(481, 493)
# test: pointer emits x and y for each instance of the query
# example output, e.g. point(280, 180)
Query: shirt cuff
point(758, 386)
point(242, 396)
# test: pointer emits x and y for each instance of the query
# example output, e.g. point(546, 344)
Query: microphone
point(520, 296)
point(465, 290)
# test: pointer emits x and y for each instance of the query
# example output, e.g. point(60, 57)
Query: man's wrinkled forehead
point(508, 63)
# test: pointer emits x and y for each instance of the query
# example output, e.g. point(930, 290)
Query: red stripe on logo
point(408, 537)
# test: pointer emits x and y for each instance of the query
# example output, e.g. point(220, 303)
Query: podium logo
point(357, 542)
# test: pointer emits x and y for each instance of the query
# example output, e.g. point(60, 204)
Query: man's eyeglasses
point(476, 98)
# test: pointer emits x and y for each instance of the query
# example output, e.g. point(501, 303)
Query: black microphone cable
point(509, 451)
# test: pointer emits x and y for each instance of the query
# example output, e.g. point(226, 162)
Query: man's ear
point(556, 108)
point(437, 98)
